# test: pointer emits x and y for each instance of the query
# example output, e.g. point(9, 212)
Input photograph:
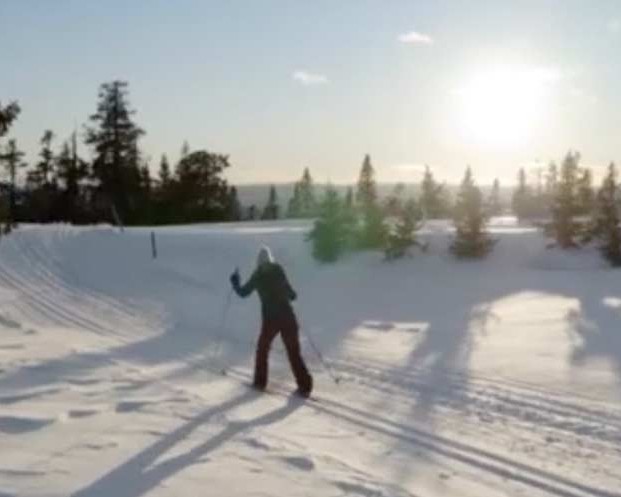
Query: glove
point(235, 279)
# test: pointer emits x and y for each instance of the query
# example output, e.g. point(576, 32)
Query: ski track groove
point(63, 308)
point(508, 403)
point(479, 458)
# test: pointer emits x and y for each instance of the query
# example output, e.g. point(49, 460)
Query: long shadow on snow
point(137, 476)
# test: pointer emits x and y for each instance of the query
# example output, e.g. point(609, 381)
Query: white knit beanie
point(265, 256)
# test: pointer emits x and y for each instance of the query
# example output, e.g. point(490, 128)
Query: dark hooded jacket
point(275, 292)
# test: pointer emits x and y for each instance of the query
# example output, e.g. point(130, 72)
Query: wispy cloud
point(415, 38)
point(308, 78)
point(614, 26)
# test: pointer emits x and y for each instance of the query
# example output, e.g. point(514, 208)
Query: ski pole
point(220, 338)
point(336, 379)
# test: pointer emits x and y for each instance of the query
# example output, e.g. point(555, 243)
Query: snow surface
point(491, 378)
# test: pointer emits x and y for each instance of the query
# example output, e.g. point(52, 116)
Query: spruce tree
point(434, 203)
point(366, 194)
point(164, 172)
point(234, 207)
point(71, 172)
point(8, 115)
point(185, 150)
point(294, 208)
point(393, 205)
point(271, 208)
point(199, 193)
point(11, 158)
point(114, 139)
point(551, 184)
point(45, 167)
point(308, 205)
point(522, 197)
point(607, 218)
point(494, 204)
point(331, 232)
point(373, 231)
point(565, 205)
point(404, 234)
point(586, 195)
point(471, 240)
point(349, 198)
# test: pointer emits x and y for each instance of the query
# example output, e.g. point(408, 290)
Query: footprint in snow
point(302, 463)
point(9, 323)
point(131, 405)
point(256, 444)
point(357, 489)
point(14, 425)
point(83, 381)
point(82, 413)
point(12, 346)
point(100, 446)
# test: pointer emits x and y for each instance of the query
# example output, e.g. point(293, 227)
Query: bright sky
point(280, 85)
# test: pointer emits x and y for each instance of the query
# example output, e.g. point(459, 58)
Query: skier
point(275, 292)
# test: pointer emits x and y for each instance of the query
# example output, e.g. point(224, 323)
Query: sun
point(504, 106)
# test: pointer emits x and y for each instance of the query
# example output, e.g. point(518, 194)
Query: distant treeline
point(116, 186)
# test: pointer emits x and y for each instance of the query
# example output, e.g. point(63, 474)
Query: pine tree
point(164, 172)
point(404, 234)
point(393, 205)
point(471, 238)
point(235, 208)
point(294, 208)
point(522, 197)
point(45, 168)
point(145, 178)
point(8, 115)
point(332, 230)
point(308, 205)
point(185, 150)
point(198, 192)
point(271, 208)
point(12, 161)
point(607, 218)
point(373, 231)
point(366, 195)
point(565, 205)
point(114, 139)
point(433, 197)
point(349, 198)
point(494, 204)
point(71, 172)
point(586, 195)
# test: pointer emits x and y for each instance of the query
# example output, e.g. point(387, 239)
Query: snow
point(498, 377)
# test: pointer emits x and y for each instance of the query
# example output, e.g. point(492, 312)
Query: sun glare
point(504, 106)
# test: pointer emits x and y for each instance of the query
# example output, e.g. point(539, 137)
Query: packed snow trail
point(499, 377)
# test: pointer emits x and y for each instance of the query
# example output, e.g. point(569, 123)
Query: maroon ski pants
point(287, 327)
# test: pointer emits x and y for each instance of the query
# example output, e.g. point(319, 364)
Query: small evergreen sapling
point(471, 240)
point(404, 234)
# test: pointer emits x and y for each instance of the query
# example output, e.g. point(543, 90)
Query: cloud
point(614, 26)
point(415, 38)
point(308, 78)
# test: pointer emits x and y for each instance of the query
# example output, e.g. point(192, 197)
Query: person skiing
point(278, 317)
